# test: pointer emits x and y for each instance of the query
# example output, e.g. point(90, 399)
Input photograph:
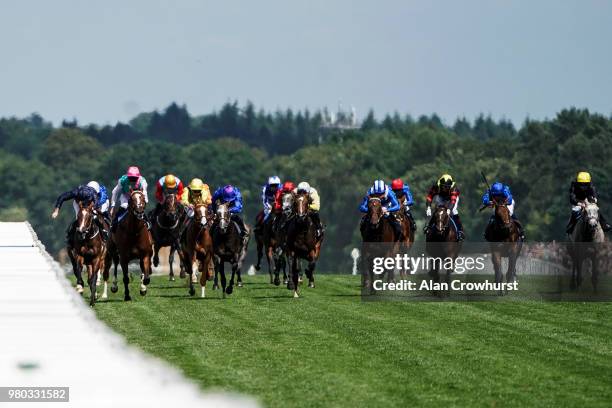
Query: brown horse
point(197, 245)
point(89, 249)
point(375, 229)
point(166, 231)
point(505, 242)
point(272, 237)
point(228, 246)
point(132, 240)
point(441, 242)
point(302, 243)
point(407, 234)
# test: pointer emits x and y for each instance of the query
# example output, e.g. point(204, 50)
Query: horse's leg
point(170, 262)
point(105, 276)
point(116, 262)
point(126, 280)
point(189, 270)
point(204, 272)
point(230, 287)
point(272, 261)
point(145, 269)
point(259, 255)
point(155, 254)
point(216, 279)
point(77, 269)
point(91, 280)
point(222, 273)
point(312, 263)
point(496, 260)
point(511, 274)
point(300, 274)
point(293, 283)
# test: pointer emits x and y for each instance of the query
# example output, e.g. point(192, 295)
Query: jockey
point(168, 184)
point(231, 194)
point(196, 193)
point(288, 188)
point(127, 183)
point(501, 193)
point(314, 204)
point(583, 190)
point(389, 203)
point(404, 195)
point(268, 195)
point(445, 190)
point(93, 192)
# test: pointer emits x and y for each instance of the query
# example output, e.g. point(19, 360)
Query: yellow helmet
point(583, 177)
point(446, 179)
point(170, 181)
point(196, 184)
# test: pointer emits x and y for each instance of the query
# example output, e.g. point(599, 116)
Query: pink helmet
point(133, 171)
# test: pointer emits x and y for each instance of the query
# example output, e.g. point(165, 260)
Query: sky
point(103, 62)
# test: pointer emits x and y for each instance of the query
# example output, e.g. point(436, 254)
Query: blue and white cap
point(379, 187)
point(274, 180)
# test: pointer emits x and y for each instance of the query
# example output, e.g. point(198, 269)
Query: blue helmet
point(379, 187)
point(497, 188)
point(229, 193)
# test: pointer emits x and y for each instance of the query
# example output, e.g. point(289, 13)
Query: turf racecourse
point(328, 348)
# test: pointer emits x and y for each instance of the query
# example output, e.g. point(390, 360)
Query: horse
point(132, 240)
point(504, 241)
point(586, 242)
point(441, 242)
point(271, 237)
point(88, 249)
point(375, 228)
point(302, 243)
point(227, 247)
point(166, 230)
point(407, 234)
point(197, 245)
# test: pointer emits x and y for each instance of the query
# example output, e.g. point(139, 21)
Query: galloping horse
point(407, 234)
point(586, 243)
point(88, 249)
point(197, 244)
point(228, 247)
point(441, 241)
point(505, 242)
point(273, 238)
point(166, 231)
point(376, 228)
point(302, 243)
point(132, 240)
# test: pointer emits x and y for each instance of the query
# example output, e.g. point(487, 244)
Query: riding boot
point(397, 228)
point(460, 234)
point(314, 216)
point(102, 228)
point(238, 220)
point(519, 225)
point(413, 225)
point(604, 224)
point(427, 227)
point(572, 222)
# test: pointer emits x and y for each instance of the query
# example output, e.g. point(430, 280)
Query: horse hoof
point(311, 284)
point(295, 294)
point(239, 284)
point(114, 289)
point(171, 278)
point(79, 289)
point(290, 285)
point(156, 262)
point(257, 267)
point(182, 275)
point(229, 290)
point(146, 280)
point(215, 286)
point(285, 281)
point(104, 296)
point(143, 292)
point(191, 291)
point(127, 298)
point(276, 282)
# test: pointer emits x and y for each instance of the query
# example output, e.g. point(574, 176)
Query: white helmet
point(274, 180)
point(95, 185)
point(303, 186)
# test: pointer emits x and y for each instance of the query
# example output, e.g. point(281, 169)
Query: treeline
point(37, 162)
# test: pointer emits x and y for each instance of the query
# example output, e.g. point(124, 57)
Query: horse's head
point(502, 213)
point(375, 211)
point(85, 218)
point(287, 203)
point(301, 205)
point(137, 204)
point(223, 216)
point(170, 204)
point(591, 211)
point(441, 219)
point(200, 214)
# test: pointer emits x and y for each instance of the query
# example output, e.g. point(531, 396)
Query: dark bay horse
point(166, 229)
point(272, 239)
point(302, 243)
point(197, 245)
point(587, 241)
point(227, 246)
point(89, 249)
point(132, 240)
point(505, 242)
point(375, 229)
point(441, 242)
point(407, 234)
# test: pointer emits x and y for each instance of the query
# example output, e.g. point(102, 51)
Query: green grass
point(328, 348)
